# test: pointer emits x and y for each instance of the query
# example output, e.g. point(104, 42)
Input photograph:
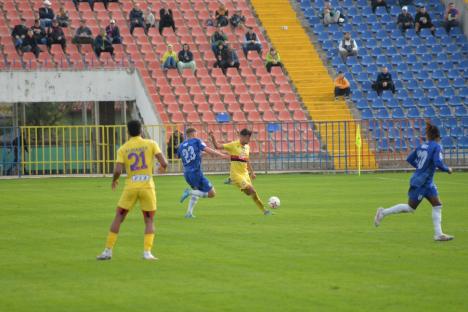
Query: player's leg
point(148, 207)
point(433, 198)
point(202, 187)
point(249, 190)
point(414, 198)
point(120, 215)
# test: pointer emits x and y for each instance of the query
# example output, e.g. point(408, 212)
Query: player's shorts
point(241, 181)
point(146, 197)
point(418, 193)
point(198, 181)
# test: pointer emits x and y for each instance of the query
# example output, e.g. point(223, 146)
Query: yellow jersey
point(239, 157)
point(137, 155)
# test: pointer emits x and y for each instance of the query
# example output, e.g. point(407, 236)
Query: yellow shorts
point(241, 181)
point(147, 198)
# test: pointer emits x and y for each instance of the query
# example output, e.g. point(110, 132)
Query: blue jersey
point(190, 152)
point(426, 158)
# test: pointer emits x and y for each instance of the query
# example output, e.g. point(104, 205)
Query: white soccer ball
point(274, 202)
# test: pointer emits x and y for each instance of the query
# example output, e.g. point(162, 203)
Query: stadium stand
point(429, 71)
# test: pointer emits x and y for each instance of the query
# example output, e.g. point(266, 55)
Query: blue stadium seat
point(423, 102)
point(460, 111)
point(433, 94)
point(400, 145)
point(362, 104)
point(378, 134)
point(463, 142)
point(413, 113)
point(455, 101)
point(459, 83)
point(429, 112)
point(398, 113)
point(408, 103)
point(439, 101)
point(367, 114)
point(377, 103)
point(444, 111)
point(383, 114)
point(428, 84)
point(408, 133)
point(393, 133)
point(412, 85)
point(361, 77)
point(450, 122)
point(392, 103)
point(436, 121)
point(443, 83)
point(456, 132)
point(447, 143)
point(415, 142)
point(454, 73)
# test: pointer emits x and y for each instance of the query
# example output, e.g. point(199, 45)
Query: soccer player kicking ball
point(425, 158)
point(190, 152)
point(137, 157)
point(241, 169)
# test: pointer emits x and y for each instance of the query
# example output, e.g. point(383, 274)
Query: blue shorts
point(418, 193)
point(198, 181)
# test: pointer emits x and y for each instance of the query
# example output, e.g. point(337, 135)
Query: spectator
point(186, 59)
point(342, 86)
point(29, 44)
point(216, 38)
point(423, 20)
point(90, 2)
point(169, 59)
point(136, 18)
point(347, 47)
point(237, 19)
point(211, 21)
point(384, 82)
point(272, 59)
point(451, 17)
point(113, 33)
point(405, 20)
point(173, 143)
point(62, 18)
point(377, 3)
point(19, 33)
point(83, 34)
point(46, 14)
point(55, 35)
point(166, 19)
point(39, 33)
point(330, 15)
point(150, 20)
point(102, 43)
point(251, 42)
point(226, 58)
point(222, 16)
point(405, 2)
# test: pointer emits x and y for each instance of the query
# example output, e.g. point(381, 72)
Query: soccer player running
point(190, 152)
point(136, 155)
point(241, 171)
point(425, 158)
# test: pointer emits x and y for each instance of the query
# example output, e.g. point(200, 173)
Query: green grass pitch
point(320, 252)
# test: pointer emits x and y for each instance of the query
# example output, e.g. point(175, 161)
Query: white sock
point(398, 209)
point(192, 202)
point(437, 220)
point(198, 193)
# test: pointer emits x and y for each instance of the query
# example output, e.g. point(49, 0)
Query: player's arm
point(215, 143)
point(251, 171)
point(438, 161)
point(214, 152)
point(117, 172)
point(162, 162)
point(411, 159)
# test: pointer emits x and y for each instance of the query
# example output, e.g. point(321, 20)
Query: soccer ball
point(274, 202)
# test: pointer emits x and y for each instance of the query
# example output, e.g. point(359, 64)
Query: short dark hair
point(246, 132)
point(190, 131)
point(432, 132)
point(134, 127)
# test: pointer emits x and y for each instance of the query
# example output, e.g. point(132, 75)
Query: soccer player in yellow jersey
point(241, 169)
point(136, 155)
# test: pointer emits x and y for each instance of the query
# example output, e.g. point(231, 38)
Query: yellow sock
point(258, 201)
point(148, 242)
point(111, 239)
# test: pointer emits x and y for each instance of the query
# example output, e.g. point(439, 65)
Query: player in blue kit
point(190, 152)
point(426, 158)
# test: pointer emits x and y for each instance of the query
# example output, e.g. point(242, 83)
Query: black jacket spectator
point(227, 57)
point(423, 20)
point(173, 144)
point(113, 32)
point(377, 3)
point(166, 19)
point(83, 35)
point(136, 18)
point(405, 20)
point(55, 35)
point(384, 82)
point(39, 33)
point(185, 56)
point(237, 19)
point(222, 16)
point(19, 33)
point(46, 13)
point(62, 18)
point(102, 43)
point(29, 44)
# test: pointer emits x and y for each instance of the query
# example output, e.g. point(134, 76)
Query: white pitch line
point(402, 180)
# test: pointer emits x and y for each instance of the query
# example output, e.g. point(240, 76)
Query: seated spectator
point(46, 14)
point(222, 16)
point(384, 82)
point(113, 33)
point(251, 42)
point(330, 15)
point(55, 35)
point(19, 33)
point(169, 59)
point(377, 3)
point(90, 2)
point(102, 43)
point(405, 20)
point(216, 38)
point(226, 58)
point(237, 19)
point(173, 144)
point(211, 21)
point(342, 86)
point(186, 59)
point(83, 34)
point(405, 2)
point(136, 18)
point(62, 18)
point(29, 44)
point(451, 17)
point(272, 59)
point(150, 20)
point(39, 33)
point(423, 20)
point(347, 47)
point(166, 19)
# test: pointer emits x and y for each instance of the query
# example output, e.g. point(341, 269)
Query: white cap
point(405, 8)
point(47, 2)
